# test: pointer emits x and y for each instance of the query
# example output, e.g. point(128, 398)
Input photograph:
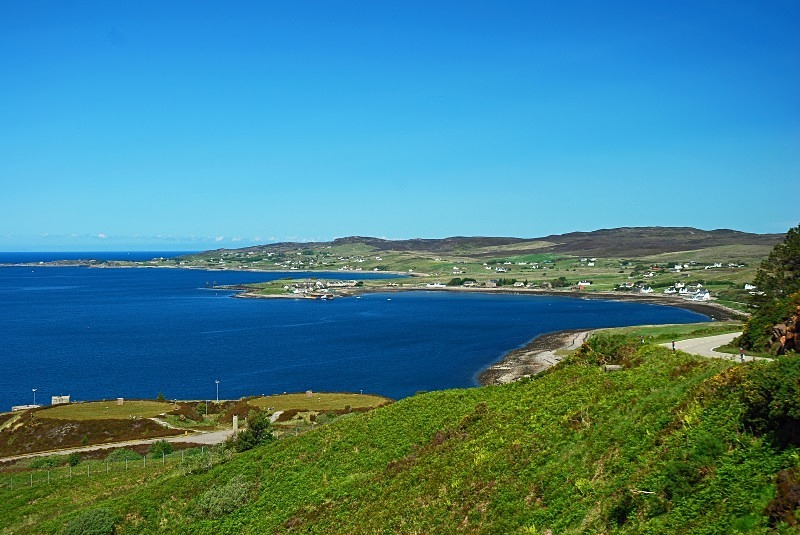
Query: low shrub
point(51, 461)
point(189, 411)
point(607, 349)
point(771, 394)
point(91, 522)
point(219, 501)
point(123, 454)
point(160, 447)
point(258, 431)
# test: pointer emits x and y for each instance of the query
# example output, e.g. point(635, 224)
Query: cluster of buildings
point(695, 292)
point(318, 288)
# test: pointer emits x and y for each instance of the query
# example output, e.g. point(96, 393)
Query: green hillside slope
point(658, 447)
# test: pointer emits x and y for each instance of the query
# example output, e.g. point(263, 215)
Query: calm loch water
point(107, 333)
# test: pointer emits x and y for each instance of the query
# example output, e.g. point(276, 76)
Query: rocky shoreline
point(542, 352)
point(533, 358)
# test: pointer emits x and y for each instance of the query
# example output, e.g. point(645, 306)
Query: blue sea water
point(130, 256)
point(106, 333)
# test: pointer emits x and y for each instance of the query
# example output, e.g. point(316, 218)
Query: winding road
point(706, 346)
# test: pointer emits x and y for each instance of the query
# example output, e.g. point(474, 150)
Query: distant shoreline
point(711, 309)
point(536, 356)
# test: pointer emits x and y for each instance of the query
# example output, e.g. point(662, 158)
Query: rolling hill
point(628, 242)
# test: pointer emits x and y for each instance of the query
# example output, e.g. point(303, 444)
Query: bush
point(51, 461)
point(257, 432)
point(160, 447)
point(607, 349)
point(561, 282)
point(91, 522)
point(74, 459)
point(758, 333)
point(123, 454)
point(771, 394)
point(218, 501)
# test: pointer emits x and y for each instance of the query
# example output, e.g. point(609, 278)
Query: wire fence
point(186, 461)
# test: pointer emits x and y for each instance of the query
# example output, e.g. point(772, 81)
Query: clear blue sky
point(193, 125)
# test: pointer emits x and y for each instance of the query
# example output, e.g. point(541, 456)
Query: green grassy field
point(665, 333)
point(106, 410)
point(319, 401)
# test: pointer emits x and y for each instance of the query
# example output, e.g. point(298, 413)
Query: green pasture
point(665, 333)
point(319, 401)
point(105, 410)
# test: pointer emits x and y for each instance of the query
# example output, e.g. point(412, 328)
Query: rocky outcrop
point(787, 333)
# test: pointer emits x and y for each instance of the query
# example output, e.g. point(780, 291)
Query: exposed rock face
point(786, 333)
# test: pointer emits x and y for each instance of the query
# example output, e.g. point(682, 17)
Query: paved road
point(706, 346)
point(214, 437)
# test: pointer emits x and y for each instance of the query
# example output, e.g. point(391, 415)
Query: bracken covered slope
point(658, 447)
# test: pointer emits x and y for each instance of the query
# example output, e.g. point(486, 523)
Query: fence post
point(162, 458)
point(70, 471)
point(87, 469)
point(126, 465)
point(144, 461)
point(31, 479)
point(106, 467)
